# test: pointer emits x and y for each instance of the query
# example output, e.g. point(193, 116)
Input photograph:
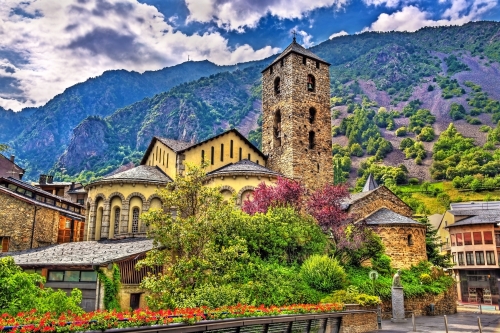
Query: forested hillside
point(392, 95)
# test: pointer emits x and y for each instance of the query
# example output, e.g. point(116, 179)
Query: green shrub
point(352, 296)
point(413, 181)
point(323, 273)
point(484, 128)
point(356, 150)
point(214, 296)
point(425, 278)
point(401, 131)
point(382, 264)
point(426, 134)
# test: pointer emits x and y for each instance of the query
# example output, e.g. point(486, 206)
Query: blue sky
point(49, 45)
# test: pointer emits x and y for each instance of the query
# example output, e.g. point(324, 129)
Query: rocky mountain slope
point(389, 69)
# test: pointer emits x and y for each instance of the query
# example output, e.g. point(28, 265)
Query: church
point(296, 144)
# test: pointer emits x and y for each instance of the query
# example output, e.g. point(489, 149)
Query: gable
point(373, 201)
point(162, 156)
point(229, 147)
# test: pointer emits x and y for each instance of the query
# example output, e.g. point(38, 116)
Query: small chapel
point(296, 144)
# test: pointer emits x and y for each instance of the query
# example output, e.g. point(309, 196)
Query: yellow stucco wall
point(221, 156)
point(238, 185)
point(163, 157)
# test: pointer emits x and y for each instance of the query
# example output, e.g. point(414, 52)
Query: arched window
point(117, 221)
point(311, 83)
point(135, 220)
point(410, 240)
point(277, 128)
point(312, 115)
point(277, 85)
point(311, 140)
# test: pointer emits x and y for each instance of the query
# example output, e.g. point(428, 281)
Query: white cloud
point(387, 3)
point(46, 45)
point(338, 34)
point(240, 14)
point(411, 18)
point(306, 38)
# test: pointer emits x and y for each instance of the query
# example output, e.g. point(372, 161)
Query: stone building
point(31, 217)
point(296, 140)
point(73, 265)
point(8, 168)
point(296, 117)
point(71, 191)
point(390, 218)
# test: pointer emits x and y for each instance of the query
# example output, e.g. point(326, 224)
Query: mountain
point(46, 131)
point(432, 68)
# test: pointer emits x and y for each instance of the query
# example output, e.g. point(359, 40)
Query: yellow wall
point(164, 158)
point(193, 155)
point(238, 185)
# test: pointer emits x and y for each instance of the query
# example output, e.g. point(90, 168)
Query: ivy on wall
point(111, 288)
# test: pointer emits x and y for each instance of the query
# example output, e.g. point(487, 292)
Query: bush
point(323, 273)
point(413, 181)
point(352, 296)
point(382, 264)
point(426, 134)
point(401, 131)
point(356, 150)
point(425, 278)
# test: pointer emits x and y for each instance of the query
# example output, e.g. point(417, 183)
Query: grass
point(435, 206)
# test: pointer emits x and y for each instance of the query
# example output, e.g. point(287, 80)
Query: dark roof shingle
point(82, 253)
point(387, 216)
point(243, 166)
point(141, 172)
point(491, 217)
point(295, 47)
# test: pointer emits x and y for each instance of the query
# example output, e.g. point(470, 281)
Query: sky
point(47, 46)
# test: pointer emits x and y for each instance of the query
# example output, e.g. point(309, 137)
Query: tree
point(21, 292)
point(433, 245)
point(192, 238)
point(285, 192)
point(3, 147)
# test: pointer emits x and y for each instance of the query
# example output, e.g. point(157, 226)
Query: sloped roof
point(8, 159)
point(472, 212)
point(182, 146)
point(242, 167)
point(175, 145)
point(141, 172)
point(387, 216)
point(295, 47)
point(353, 198)
point(489, 218)
point(370, 184)
point(82, 253)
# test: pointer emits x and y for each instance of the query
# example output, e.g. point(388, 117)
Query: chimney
point(72, 187)
point(43, 179)
point(12, 158)
point(50, 179)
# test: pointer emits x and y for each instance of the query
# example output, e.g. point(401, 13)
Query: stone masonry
point(17, 221)
point(381, 197)
point(286, 118)
point(395, 240)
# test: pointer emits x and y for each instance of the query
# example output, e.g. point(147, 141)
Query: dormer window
point(311, 83)
point(277, 85)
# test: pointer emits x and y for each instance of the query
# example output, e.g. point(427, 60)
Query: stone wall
point(358, 322)
point(395, 240)
point(290, 154)
point(444, 304)
point(16, 222)
point(381, 197)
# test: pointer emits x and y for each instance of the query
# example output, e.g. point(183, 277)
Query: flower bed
point(101, 320)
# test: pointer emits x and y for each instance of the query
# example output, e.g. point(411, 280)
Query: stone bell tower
point(296, 127)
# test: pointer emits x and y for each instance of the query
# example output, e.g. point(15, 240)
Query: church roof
point(182, 146)
point(370, 184)
point(87, 253)
point(141, 172)
point(295, 47)
point(243, 167)
point(387, 216)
